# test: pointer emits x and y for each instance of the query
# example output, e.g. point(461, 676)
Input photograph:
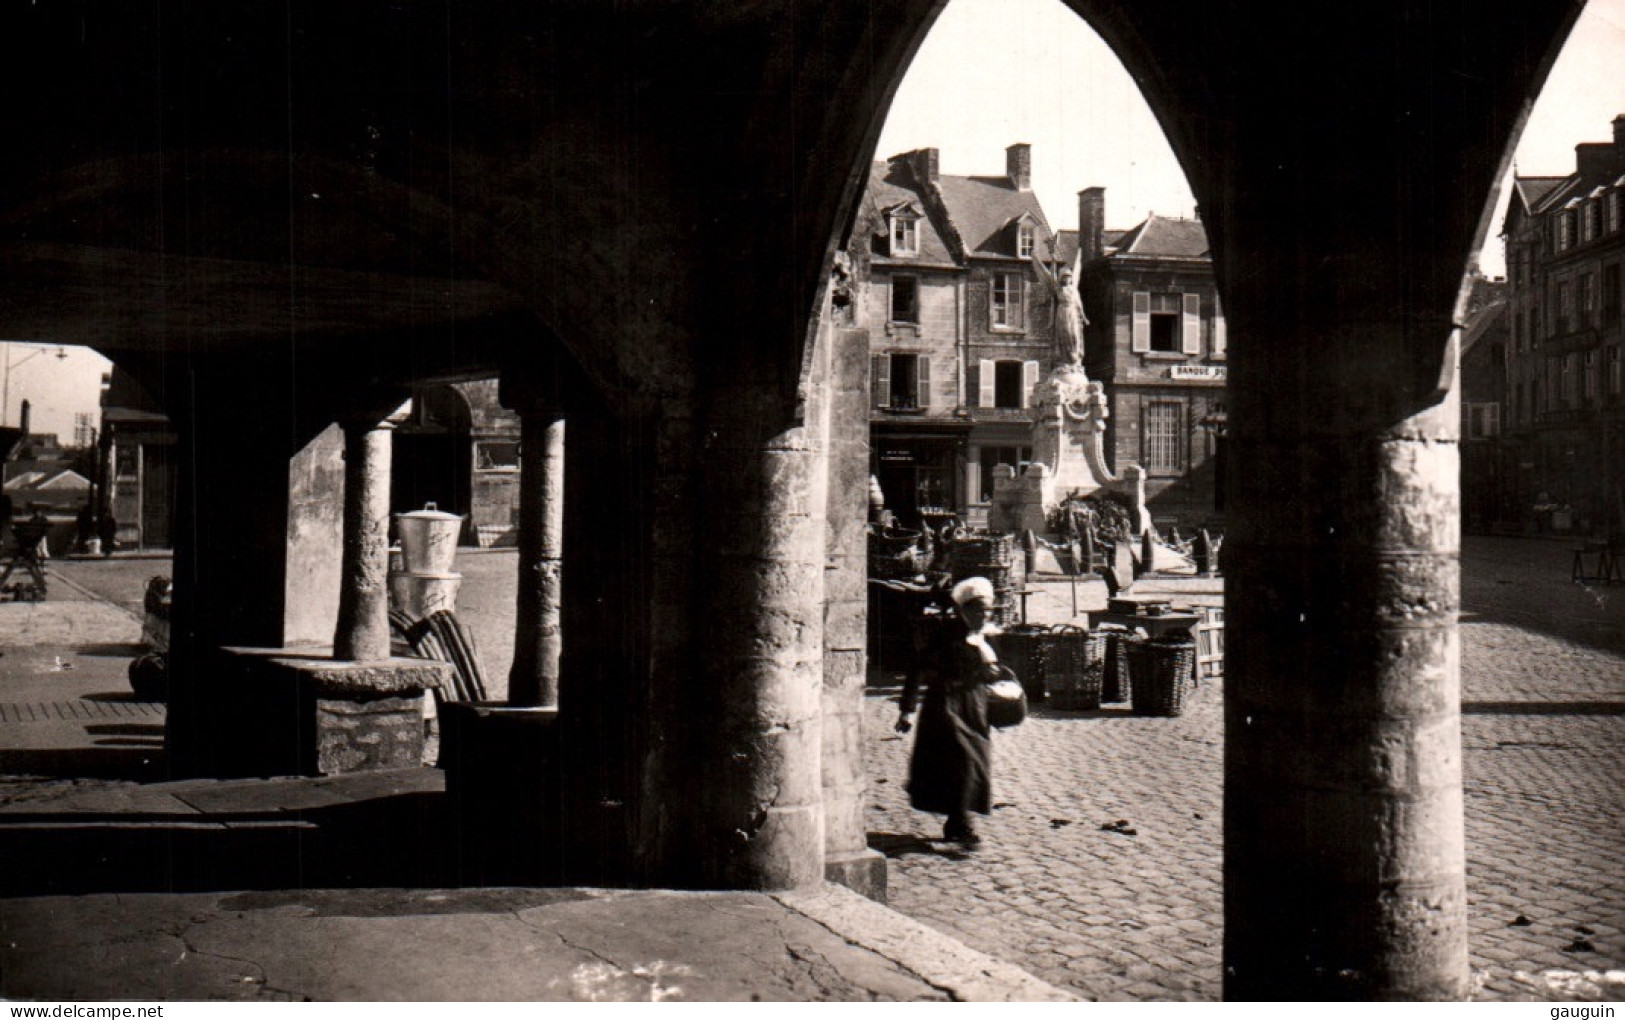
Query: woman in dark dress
point(949, 772)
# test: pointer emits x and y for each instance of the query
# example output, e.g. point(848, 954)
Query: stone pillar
point(362, 634)
point(753, 816)
point(534, 679)
point(1343, 839)
point(848, 859)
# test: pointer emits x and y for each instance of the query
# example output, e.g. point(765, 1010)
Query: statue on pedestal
point(1069, 316)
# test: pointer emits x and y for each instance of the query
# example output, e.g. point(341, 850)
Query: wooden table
point(1178, 624)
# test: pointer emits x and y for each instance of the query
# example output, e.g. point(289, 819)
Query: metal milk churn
point(424, 581)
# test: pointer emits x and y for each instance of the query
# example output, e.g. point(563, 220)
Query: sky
point(995, 72)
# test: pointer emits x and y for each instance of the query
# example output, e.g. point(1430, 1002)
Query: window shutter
point(1142, 321)
point(1220, 339)
point(984, 373)
point(880, 379)
point(1029, 379)
point(922, 394)
point(1193, 324)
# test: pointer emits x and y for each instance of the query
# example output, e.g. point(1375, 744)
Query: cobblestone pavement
point(1132, 917)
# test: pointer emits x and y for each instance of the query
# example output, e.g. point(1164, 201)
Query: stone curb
point(963, 973)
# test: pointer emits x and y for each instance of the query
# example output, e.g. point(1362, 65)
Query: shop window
point(931, 490)
point(1017, 457)
point(127, 462)
point(1164, 448)
point(496, 455)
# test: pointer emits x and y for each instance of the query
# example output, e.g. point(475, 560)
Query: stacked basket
point(888, 559)
point(989, 556)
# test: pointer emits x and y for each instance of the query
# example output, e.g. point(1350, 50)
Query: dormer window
point(1565, 230)
point(1024, 240)
point(905, 232)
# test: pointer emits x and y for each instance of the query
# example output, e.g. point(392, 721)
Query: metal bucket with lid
point(428, 539)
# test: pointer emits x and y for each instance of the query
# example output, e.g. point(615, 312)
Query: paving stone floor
point(1134, 917)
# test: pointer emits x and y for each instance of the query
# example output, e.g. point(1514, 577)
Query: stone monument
point(1068, 457)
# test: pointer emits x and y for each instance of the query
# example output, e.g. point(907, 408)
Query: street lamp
point(8, 364)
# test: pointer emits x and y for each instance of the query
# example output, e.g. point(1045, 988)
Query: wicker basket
point(1074, 667)
point(1022, 649)
point(989, 556)
point(887, 559)
point(1160, 673)
point(1114, 674)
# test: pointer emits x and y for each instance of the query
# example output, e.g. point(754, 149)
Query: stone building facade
point(961, 328)
point(1565, 410)
point(283, 217)
point(459, 449)
point(137, 464)
point(1490, 494)
point(1158, 340)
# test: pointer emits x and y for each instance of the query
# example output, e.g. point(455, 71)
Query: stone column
point(534, 679)
point(362, 633)
point(848, 859)
point(752, 815)
point(1343, 838)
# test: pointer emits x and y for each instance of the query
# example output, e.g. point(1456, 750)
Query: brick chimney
point(924, 164)
point(1596, 159)
point(1018, 166)
point(24, 413)
point(1091, 223)
point(1619, 139)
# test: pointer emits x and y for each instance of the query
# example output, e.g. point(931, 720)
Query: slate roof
point(1066, 247)
point(1535, 190)
point(34, 480)
point(1165, 237)
point(891, 185)
point(982, 210)
point(1480, 321)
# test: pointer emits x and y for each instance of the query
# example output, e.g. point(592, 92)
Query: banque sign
point(1212, 372)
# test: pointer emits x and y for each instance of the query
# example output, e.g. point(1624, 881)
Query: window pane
point(496, 455)
point(905, 299)
point(1007, 384)
point(1164, 451)
point(1164, 331)
point(904, 380)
